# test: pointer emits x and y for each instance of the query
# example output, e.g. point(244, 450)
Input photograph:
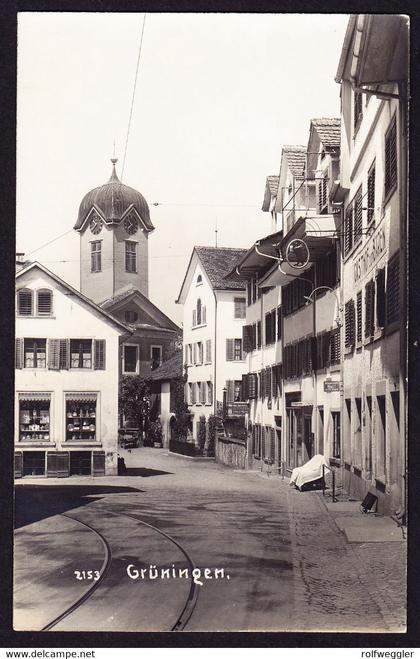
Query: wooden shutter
point(99, 352)
point(245, 387)
point(358, 215)
point(18, 464)
point(391, 157)
point(268, 382)
point(369, 309)
point(348, 229)
point(230, 391)
point(54, 354)
point(252, 385)
point(278, 323)
point(371, 194)
point(359, 317)
point(335, 346)
point(194, 318)
point(19, 353)
point(393, 291)
point(230, 350)
point(380, 298)
point(98, 463)
point(58, 464)
point(258, 334)
point(349, 317)
point(247, 338)
point(208, 350)
point(64, 354)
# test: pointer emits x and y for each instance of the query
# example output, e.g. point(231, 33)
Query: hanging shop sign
point(370, 254)
point(300, 403)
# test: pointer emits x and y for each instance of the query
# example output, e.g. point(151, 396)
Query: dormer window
point(25, 302)
point(44, 303)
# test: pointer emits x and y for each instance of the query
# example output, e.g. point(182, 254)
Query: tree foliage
point(134, 400)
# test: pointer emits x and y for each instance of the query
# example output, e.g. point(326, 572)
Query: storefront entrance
point(300, 438)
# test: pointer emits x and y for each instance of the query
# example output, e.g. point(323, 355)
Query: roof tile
point(218, 262)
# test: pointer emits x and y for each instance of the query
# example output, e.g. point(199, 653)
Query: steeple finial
point(114, 176)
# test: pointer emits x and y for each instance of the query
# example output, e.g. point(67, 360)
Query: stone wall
point(231, 452)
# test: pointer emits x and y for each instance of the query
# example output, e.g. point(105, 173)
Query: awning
point(35, 395)
point(83, 397)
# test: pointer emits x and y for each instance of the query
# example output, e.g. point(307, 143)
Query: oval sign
point(297, 253)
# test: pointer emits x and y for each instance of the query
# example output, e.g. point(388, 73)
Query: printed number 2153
point(87, 575)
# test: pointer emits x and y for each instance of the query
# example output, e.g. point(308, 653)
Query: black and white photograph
point(210, 416)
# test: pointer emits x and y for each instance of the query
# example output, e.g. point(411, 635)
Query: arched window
point(44, 302)
point(199, 279)
point(25, 302)
point(131, 316)
point(198, 311)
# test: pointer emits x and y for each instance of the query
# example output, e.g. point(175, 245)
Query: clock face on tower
point(95, 223)
point(130, 224)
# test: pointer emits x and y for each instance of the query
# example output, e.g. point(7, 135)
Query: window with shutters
point(96, 256)
point(393, 291)
point(269, 329)
point(278, 323)
point(208, 351)
point(357, 216)
point(44, 302)
point(359, 333)
point(239, 307)
point(237, 391)
point(349, 324)
point(357, 110)
point(391, 158)
point(81, 353)
point(130, 358)
point(323, 194)
point(35, 353)
point(130, 256)
point(34, 417)
point(238, 355)
point(294, 294)
point(380, 298)
point(370, 309)
point(258, 334)
point(25, 302)
point(81, 416)
point(247, 338)
point(209, 393)
point(327, 270)
point(371, 195)
point(64, 354)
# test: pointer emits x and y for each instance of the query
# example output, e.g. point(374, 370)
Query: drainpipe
point(262, 368)
point(215, 356)
point(402, 187)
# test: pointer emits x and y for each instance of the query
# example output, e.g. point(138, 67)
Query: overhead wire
point(133, 96)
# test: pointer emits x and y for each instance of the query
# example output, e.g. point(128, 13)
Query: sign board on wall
point(237, 409)
point(332, 385)
point(373, 250)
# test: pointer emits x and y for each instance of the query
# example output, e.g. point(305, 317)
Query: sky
point(217, 97)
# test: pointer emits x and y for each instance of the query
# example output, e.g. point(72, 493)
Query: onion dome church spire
point(113, 224)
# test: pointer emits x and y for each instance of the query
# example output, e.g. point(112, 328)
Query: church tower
point(114, 224)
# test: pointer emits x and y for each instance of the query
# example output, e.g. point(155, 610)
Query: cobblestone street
point(291, 568)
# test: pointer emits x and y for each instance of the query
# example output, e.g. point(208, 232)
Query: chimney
point(20, 260)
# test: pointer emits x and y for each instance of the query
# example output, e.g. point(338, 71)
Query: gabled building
point(373, 74)
point(66, 379)
point(153, 337)
point(262, 335)
point(214, 313)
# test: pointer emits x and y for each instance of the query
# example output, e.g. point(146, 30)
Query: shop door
point(308, 439)
point(80, 463)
